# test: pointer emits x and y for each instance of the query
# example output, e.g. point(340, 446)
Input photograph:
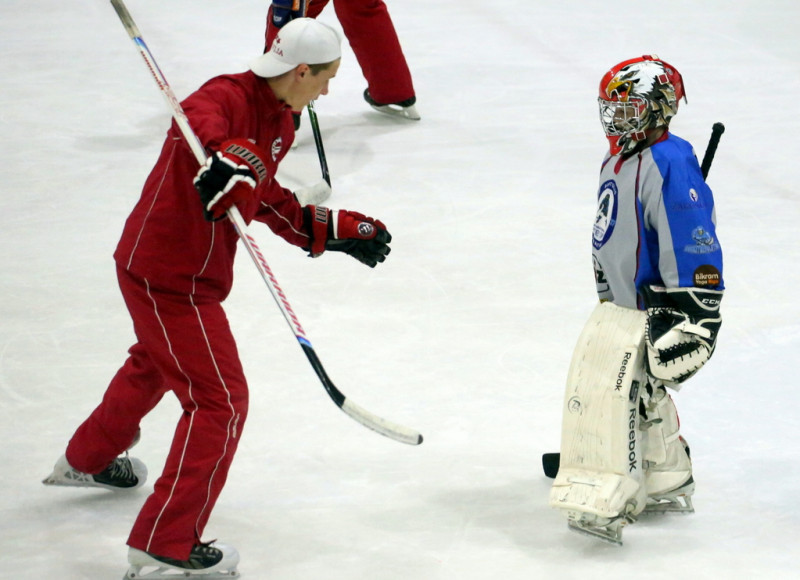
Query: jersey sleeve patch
point(606, 218)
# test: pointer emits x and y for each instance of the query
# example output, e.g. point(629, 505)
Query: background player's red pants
point(371, 34)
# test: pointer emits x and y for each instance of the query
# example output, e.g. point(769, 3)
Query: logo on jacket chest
point(606, 217)
point(277, 145)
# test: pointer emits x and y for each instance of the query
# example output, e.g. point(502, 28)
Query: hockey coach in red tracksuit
point(175, 267)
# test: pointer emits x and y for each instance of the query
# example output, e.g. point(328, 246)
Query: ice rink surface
point(465, 333)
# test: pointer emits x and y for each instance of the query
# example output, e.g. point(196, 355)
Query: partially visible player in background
point(658, 271)
point(372, 36)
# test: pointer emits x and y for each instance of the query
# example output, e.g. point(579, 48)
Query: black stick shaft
point(716, 132)
point(323, 162)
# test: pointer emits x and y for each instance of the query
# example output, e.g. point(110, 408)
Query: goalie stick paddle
point(552, 461)
point(550, 464)
point(367, 419)
point(323, 162)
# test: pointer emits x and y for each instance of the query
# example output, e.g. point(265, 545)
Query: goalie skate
point(206, 562)
point(668, 476)
point(678, 500)
point(124, 474)
point(608, 530)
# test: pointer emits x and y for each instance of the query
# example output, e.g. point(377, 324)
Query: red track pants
point(371, 34)
point(185, 346)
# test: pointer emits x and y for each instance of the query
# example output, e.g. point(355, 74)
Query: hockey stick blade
point(364, 417)
point(359, 414)
point(711, 149)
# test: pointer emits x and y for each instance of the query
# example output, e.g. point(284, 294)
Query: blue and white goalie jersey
point(655, 224)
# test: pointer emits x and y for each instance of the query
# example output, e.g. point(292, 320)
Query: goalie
point(658, 271)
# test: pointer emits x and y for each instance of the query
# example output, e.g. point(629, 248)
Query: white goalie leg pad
point(600, 480)
point(667, 463)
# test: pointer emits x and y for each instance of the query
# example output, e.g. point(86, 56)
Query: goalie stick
point(359, 414)
point(708, 158)
point(551, 461)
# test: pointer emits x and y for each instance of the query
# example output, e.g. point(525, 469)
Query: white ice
point(465, 333)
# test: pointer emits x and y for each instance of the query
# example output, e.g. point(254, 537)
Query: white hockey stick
point(382, 426)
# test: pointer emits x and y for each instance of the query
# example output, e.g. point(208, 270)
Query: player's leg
point(92, 456)
point(190, 343)
point(373, 38)
point(600, 482)
point(668, 467)
point(312, 10)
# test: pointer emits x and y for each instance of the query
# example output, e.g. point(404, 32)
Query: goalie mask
point(636, 97)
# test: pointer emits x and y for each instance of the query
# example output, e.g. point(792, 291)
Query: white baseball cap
point(300, 41)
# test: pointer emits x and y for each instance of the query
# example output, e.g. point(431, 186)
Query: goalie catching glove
point(362, 237)
point(681, 330)
point(230, 176)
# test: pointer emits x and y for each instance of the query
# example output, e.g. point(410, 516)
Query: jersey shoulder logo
point(704, 242)
point(606, 217)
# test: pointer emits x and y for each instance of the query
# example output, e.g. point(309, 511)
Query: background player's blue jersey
point(655, 224)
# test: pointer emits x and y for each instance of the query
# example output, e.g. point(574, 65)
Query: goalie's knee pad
point(601, 475)
point(666, 455)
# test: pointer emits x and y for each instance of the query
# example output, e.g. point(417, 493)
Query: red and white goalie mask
point(636, 97)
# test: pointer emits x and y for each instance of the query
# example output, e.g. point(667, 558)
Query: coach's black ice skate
point(206, 561)
point(123, 474)
point(405, 109)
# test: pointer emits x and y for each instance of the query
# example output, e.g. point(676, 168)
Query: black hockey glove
point(364, 238)
point(229, 176)
point(681, 330)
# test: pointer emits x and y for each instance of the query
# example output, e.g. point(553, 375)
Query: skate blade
point(61, 481)
point(397, 111)
point(678, 501)
point(67, 480)
point(681, 504)
point(152, 572)
point(611, 534)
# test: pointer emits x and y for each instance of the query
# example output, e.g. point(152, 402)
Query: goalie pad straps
point(681, 332)
point(601, 475)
